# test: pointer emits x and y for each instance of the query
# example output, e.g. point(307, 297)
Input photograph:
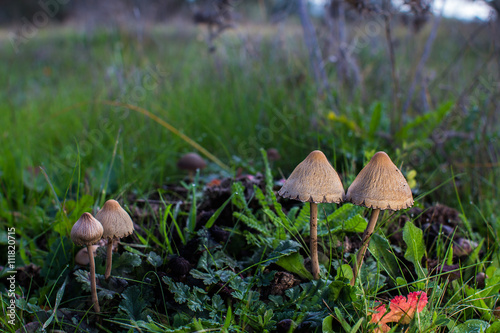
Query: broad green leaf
point(229, 317)
point(494, 328)
point(344, 272)
point(343, 213)
point(134, 303)
point(283, 249)
point(23, 305)
point(357, 223)
point(471, 326)
point(125, 263)
point(218, 304)
point(341, 290)
point(276, 300)
point(180, 290)
point(294, 263)
point(83, 277)
point(440, 320)
point(154, 259)
point(415, 247)
point(383, 253)
point(196, 299)
point(375, 119)
point(356, 326)
point(422, 126)
point(208, 278)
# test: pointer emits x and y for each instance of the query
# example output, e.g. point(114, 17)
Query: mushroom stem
point(93, 288)
point(313, 243)
point(109, 258)
point(364, 245)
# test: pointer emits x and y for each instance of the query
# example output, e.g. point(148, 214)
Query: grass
point(71, 105)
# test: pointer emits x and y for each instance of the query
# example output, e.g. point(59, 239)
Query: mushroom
point(82, 256)
point(191, 162)
point(380, 186)
point(273, 154)
point(88, 231)
point(315, 181)
point(117, 224)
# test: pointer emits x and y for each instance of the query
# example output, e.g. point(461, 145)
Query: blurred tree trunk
point(312, 45)
point(347, 69)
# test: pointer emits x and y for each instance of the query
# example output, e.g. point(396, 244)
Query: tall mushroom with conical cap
point(315, 181)
point(380, 186)
point(88, 231)
point(117, 224)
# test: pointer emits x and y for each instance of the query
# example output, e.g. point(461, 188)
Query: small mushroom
point(82, 256)
point(88, 231)
point(380, 186)
point(315, 181)
point(117, 224)
point(273, 154)
point(191, 162)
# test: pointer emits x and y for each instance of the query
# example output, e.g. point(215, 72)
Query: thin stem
point(313, 243)
point(364, 245)
point(109, 258)
point(93, 288)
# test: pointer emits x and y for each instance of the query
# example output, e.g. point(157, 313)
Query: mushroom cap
point(82, 256)
point(191, 161)
point(115, 220)
point(87, 230)
point(273, 154)
point(314, 180)
point(380, 185)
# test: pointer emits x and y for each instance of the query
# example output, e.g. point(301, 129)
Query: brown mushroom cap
point(314, 180)
point(82, 256)
point(86, 231)
point(380, 185)
point(191, 161)
point(273, 154)
point(115, 220)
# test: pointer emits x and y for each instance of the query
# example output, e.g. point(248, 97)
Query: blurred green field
point(254, 91)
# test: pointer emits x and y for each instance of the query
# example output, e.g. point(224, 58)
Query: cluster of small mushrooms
point(112, 222)
point(380, 186)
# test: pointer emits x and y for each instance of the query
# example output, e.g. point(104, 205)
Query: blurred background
point(103, 97)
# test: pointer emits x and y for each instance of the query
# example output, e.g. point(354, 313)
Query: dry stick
point(93, 288)
point(313, 243)
point(109, 256)
point(364, 245)
point(421, 63)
